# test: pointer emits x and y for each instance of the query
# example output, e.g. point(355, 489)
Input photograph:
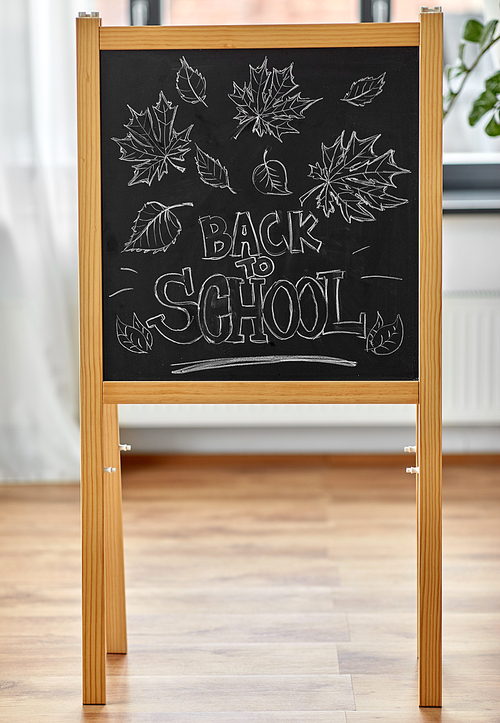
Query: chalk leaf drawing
point(211, 171)
point(268, 102)
point(270, 177)
point(155, 229)
point(384, 339)
point(190, 84)
point(354, 178)
point(136, 337)
point(152, 144)
point(364, 90)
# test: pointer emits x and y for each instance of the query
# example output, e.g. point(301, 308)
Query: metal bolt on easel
point(109, 469)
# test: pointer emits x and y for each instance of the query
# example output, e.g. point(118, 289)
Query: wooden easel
point(104, 624)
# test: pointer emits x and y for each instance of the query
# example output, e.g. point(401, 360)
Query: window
point(472, 159)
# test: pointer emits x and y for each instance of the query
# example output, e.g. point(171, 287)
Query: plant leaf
point(454, 71)
point(493, 83)
point(354, 178)
point(364, 90)
point(155, 229)
point(190, 84)
point(270, 177)
point(486, 102)
point(488, 33)
point(384, 339)
point(152, 144)
point(472, 31)
point(268, 102)
point(211, 171)
point(493, 127)
point(133, 337)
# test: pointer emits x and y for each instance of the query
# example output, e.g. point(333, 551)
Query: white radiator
point(471, 358)
point(471, 384)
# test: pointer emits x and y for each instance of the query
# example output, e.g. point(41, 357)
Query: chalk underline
point(206, 364)
point(381, 276)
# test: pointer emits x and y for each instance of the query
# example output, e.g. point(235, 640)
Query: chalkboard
point(260, 214)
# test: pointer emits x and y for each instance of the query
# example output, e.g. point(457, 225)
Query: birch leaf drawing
point(364, 90)
point(384, 339)
point(152, 145)
point(136, 337)
point(155, 229)
point(270, 177)
point(211, 171)
point(190, 84)
point(269, 102)
point(354, 178)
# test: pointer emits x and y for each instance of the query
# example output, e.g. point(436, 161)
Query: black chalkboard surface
point(260, 214)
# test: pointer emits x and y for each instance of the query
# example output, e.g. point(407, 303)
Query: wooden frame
point(102, 548)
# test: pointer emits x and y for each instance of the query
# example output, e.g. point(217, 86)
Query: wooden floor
point(256, 594)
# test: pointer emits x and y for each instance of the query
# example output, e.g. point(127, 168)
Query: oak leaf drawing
point(155, 228)
point(269, 102)
point(384, 339)
point(191, 84)
point(135, 337)
point(364, 90)
point(354, 178)
point(152, 145)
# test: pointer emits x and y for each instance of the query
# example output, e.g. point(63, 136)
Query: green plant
point(482, 37)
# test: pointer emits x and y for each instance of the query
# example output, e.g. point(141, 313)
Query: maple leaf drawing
point(354, 178)
point(269, 102)
point(152, 144)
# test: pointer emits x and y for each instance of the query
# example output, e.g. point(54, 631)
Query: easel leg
point(429, 562)
point(116, 621)
point(417, 487)
point(429, 412)
point(93, 592)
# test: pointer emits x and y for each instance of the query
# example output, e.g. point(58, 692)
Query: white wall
point(471, 252)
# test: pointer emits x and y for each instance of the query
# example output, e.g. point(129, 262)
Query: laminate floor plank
point(244, 628)
point(375, 599)
point(177, 694)
point(92, 714)
point(381, 626)
point(396, 572)
point(422, 715)
point(253, 600)
point(61, 656)
point(368, 658)
point(245, 571)
point(258, 594)
point(465, 691)
point(228, 659)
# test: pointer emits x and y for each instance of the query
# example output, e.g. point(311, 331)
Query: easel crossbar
point(260, 36)
point(260, 392)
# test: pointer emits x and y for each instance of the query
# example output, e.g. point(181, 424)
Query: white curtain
point(39, 438)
